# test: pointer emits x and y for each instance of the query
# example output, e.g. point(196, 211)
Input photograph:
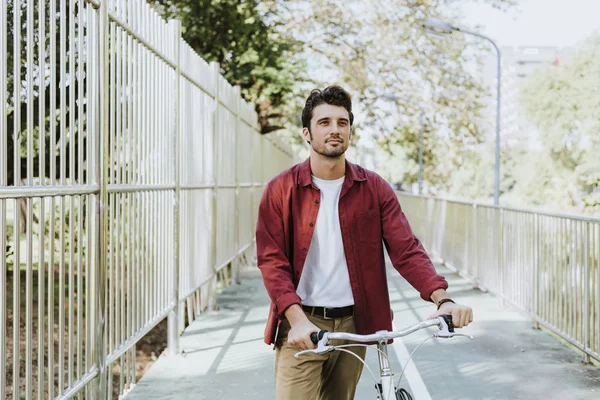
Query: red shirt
point(370, 216)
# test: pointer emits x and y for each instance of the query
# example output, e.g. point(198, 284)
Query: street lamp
point(439, 27)
point(389, 96)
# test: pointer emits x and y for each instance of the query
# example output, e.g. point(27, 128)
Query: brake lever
point(447, 330)
point(322, 347)
point(322, 350)
point(451, 335)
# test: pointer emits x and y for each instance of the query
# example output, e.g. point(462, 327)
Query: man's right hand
point(301, 328)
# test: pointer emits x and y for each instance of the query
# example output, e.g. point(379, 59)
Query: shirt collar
point(353, 173)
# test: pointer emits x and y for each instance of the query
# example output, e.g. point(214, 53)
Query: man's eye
point(324, 122)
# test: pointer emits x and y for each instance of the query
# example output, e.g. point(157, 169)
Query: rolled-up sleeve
point(405, 250)
point(273, 263)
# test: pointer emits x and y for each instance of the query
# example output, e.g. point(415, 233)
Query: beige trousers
point(331, 376)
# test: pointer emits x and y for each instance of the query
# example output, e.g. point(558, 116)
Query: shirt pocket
point(368, 224)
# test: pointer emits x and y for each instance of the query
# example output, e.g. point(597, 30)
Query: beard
point(329, 151)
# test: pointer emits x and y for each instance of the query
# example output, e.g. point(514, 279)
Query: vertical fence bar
point(113, 242)
point(42, 174)
point(91, 90)
point(122, 199)
point(473, 247)
point(81, 181)
point(586, 294)
point(102, 200)
point(595, 240)
point(29, 302)
point(16, 182)
point(29, 215)
point(252, 189)
point(3, 182)
point(212, 292)
point(128, 198)
point(71, 104)
point(570, 327)
point(52, 180)
point(63, 173)
point(134, 168)
point(574, 292)
point(537, 270)
point(237, 138)
point(173, 334)
point(544, 261)
point(566, 269)
point(556, 253)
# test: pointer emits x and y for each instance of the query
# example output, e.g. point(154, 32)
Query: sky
point(535, 22)
point(555, 23)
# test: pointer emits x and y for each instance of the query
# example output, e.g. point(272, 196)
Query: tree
point(562, 101)
point(374, 47)
point(245, 39)
point(19, 130)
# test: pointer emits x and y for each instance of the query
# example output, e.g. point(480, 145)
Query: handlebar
point(316, 336)
point(321, 338)
point(444, 323)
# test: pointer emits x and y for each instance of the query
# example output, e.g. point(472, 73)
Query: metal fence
point(130, 174)
point(548, 265)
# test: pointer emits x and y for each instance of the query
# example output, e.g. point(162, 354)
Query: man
point(321, 229)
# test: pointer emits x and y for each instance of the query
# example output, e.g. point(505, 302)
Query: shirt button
point(316, 201)
point(311, 224)
point(304, 249)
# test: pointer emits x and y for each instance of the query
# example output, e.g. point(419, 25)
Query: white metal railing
point(548, 265)
point(137, 191)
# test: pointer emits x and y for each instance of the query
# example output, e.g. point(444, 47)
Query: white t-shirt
point(325, 281)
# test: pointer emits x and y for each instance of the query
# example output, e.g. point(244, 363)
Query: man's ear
point(306, 135)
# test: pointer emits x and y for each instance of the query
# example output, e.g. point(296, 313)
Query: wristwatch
point(442, 301)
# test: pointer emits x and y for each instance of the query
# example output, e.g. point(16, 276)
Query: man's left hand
point(461, 315)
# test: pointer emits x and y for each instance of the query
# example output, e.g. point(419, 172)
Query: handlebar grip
point(448, 319)
point(316, 336)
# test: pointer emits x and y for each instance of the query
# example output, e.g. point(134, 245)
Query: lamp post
point(392, 97)
point(439, 27)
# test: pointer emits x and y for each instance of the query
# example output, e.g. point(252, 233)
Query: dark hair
point(334, 95)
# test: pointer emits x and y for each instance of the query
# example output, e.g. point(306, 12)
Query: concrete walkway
point(224, 356)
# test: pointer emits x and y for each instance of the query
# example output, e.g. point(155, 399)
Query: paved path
point(224, 356)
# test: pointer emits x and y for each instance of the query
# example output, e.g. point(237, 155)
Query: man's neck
point(327, 168)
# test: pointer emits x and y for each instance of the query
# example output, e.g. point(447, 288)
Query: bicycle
point(385, 387)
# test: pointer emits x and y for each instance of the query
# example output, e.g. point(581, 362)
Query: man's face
point(329, 133)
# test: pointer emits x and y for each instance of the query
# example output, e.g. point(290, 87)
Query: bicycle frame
point(386, 387)
point(386, 375)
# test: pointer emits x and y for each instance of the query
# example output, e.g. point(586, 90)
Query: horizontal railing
point(135, 193)
point(548, 265)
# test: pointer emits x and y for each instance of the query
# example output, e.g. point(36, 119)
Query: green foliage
point(245, 38)
point(374, 47)
point(369, 47)
point(563, 101)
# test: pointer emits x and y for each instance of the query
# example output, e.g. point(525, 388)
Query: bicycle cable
point(407, 361)
point(401, 394)
point(360, 359)
point(367, 346)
